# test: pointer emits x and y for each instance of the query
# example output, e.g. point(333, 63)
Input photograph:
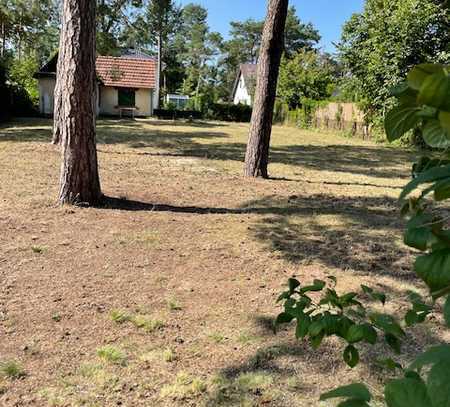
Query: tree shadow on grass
point(285, 358)
point(359, 234)
point(203, 142)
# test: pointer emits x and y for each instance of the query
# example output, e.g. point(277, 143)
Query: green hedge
point(229, 112)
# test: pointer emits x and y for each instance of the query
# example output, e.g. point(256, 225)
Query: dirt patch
point(166, 295)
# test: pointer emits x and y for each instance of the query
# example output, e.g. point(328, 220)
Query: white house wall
point(109, 99)
point(46, 95)
point(242, 96)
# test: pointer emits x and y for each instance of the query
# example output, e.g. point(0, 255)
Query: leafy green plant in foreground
point(423, 104)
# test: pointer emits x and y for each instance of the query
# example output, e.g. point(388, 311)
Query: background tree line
point(377, 48)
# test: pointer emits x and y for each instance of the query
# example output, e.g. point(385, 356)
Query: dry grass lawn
point(166, 297)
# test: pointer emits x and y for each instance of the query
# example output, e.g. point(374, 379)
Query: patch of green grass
point(245, 338)
point(12, 370)
point(217, 337)
point(174, 305)
point(184, 387)
point(112, 354)
point(252, 381)
point(120, 317)
point(241, 390)
point(147, 323)
point(39, 249)
point(56, 317)
point(98, 375)
point(168, 355)
point(53, 397)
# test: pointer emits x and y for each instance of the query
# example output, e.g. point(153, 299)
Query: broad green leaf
point(435, 91)
point(283, 318)
point(438, 384)
point(406, 393)
point(447, 311)
point(317, 340)
point(405, 94)
point(293, 284)
point(442, 190)
point(353, 403)
point(418, 238)
point(411, 318)
point(434, 270)
point(410, 374)
point(370, 334)
point(316, 328)
point(400, 120)
point(357, 391)
point(387, 324)
point(418, 75)
point(284, 296)
point(318, 285)
point(351, 356)
point(435, 136)
point(393, 342)
point(431, 356)
point(444, 119)
point(432, 175)
point(355, 334)
point(374, 295)
point(302, 328)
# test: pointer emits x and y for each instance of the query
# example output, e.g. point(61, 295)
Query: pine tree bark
point(3, 49)
point(257, 154)
point(160, 55)
point(79, 182)
point(57, 97)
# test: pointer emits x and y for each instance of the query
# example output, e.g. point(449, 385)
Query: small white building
point(125, 85)
point(245, 85)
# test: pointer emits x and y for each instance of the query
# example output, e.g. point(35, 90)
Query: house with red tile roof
point(126, 85)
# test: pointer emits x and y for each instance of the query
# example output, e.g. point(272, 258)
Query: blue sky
point(327, 15)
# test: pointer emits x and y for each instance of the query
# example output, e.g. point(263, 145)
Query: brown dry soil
point(166, 297)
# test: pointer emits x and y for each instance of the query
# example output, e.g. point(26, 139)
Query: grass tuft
point(146, 323)
point(174, 305)
point(254, 381)
point(38, 249)
point(112, 354)
point(184, 387)
point(169, 355)
point(12, 370)
point(120, 317)
point(216, 337)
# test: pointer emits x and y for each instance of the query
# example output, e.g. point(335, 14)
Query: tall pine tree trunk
point(79, 183)
point(160, 55)
point(57, 98)
point(257, 155)
point(3, 34)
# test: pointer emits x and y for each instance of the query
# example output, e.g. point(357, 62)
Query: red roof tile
point(127, 72)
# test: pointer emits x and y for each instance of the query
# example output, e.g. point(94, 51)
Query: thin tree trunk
point(257, 155)
point(3, 38)
point(57, 97)
point(159, 67)
point(79, 182)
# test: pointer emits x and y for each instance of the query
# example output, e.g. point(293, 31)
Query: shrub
point(166, 114)
point(229, 112)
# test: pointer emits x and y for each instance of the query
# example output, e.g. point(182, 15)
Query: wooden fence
point(333, 116)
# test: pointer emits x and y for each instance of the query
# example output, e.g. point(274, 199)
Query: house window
point(127, 97)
